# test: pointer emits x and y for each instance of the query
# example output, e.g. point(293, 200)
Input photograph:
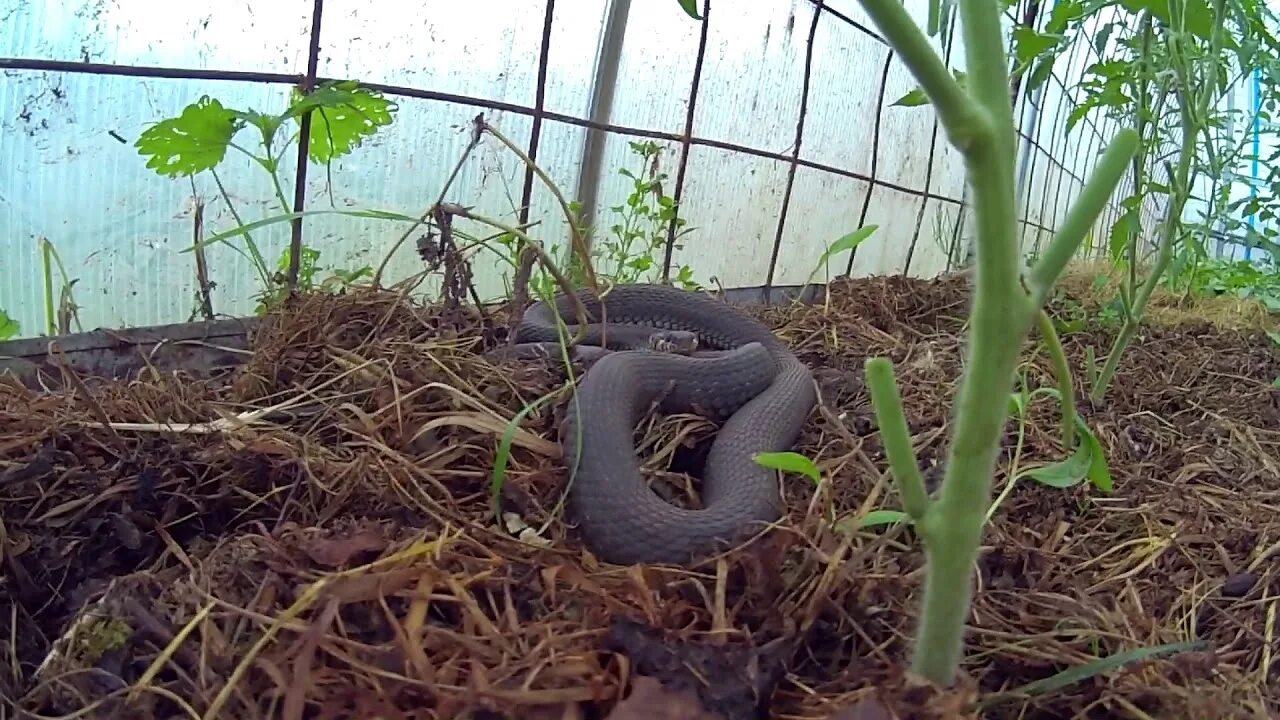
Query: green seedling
point(632, 249)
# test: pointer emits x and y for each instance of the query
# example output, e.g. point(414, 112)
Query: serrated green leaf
point(1029, 44)
point(1102, 38)
point(343, 116)
point(790, 462)
point(849, 242)
point(267, 125)
point(195, 141)
point(1197, 13)
point(8, 326)
point(690, 8)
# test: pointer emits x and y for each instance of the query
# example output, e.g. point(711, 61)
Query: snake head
point(680, 342)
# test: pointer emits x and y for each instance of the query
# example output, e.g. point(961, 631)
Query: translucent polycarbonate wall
point(794, 139)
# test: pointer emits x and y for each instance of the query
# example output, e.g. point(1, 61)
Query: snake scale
point(747, 377)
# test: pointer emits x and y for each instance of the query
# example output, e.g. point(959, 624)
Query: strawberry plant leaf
point(192, 142)
point(8, 326)
point(343, 116)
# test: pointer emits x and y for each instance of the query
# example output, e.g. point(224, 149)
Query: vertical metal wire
point(795, 148)
point(948, 44)
point(875, 153)
point(686, 141)
point(304, 145)
point(539, 108)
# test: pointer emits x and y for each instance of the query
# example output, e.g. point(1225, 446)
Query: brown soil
point(338, 557)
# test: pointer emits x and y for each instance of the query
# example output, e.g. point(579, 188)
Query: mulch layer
point(319, 540)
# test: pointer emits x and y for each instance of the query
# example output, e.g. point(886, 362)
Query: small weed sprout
point(60, 308)
point(632, 249)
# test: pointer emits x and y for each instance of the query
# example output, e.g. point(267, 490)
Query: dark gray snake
point(742, 374)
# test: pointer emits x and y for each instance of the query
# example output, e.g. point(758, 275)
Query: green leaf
point(1063, 14)
point(1198, 14)
point(877, 517)
point(1041, 73)
point(498, 477)
point(343, 115)
point(1065, 474)
point(1029, 44)
point(849, 242)
point(267, 125)
point(1017, 404)
point(1099, 474)
point(917, 97)
point(690, 8)
point(290, 217)
point(914, 98)
point(1125, 227)
point(1102, 38)
point(790, 462)
point(1080, 673)
point(8, 326)
point(1088, 461)
point(191, 143)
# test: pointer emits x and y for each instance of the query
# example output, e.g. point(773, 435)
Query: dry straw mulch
point(339, 556)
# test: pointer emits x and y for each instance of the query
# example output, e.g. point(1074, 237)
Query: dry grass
point(339, 557)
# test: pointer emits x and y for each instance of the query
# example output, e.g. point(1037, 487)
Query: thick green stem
point(1084, 213)
point(980, 124)
point(999, 319)
point(896, 437)
point(959, 116)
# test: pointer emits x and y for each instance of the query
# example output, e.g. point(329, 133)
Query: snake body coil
point(750, 377)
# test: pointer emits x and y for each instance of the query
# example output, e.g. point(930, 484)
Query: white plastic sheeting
point(65, 174)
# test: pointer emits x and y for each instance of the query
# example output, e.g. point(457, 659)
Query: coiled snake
point(748, 378)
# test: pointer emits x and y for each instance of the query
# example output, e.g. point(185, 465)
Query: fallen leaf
point(649, 700)
point(332, 552)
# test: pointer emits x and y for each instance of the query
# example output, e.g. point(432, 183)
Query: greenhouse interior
point(665, 360)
